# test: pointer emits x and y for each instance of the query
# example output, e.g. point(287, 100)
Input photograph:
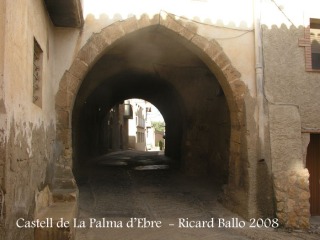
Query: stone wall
point(292, 98)
point(292, 198)
point(27, 132)
point(3, 120)
point(206, 132)
point(27, 175)
point(291, 185)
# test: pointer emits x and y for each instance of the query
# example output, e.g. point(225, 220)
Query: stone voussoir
point(231, 73)
point(88, 53)
point(65, 137)
point(129, 25)
point(73, 83)
point(222, 60)
point(239, 88)
point(201, 42)
point(61, 99)
point(100, 42)
point(169, 22)
point(143, 21)
point(78, 68)
point(213, 49)
point(112, 33)
point(63, 117)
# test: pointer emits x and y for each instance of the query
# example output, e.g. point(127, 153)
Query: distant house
point(137, 125)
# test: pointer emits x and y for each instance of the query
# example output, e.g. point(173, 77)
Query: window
point(315, 43)
point(37, 74)
point(140, 137)
point(311, 44)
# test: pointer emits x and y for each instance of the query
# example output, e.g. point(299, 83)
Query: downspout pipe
point(259, 79)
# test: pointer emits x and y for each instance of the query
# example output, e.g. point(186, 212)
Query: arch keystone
point(145, 21)
point(169, 22)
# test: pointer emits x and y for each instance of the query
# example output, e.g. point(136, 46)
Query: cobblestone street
point(124, 185)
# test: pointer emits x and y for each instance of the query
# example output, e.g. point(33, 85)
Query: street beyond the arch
point(137, 195)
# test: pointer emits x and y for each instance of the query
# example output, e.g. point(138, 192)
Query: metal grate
point(37, 62)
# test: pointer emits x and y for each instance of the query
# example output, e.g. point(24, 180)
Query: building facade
point(239, 91)
point(137, 125)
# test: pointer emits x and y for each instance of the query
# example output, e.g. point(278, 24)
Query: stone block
point(61, 98)
point(129, 25)
point(99, 41)
point(65, 210)
point(143, 21)
point(212, 50)
point(63, 118)
point(88, 53)
point(78, 68)
point(73, 84)
point(292, 202)
point(64, 136)
point(186, 33)
point(222, 60)
point(235, 136)
point(231, 73)
point(64, 195)
point(238, 88)
point(201, 42)
point(112, 33)
point(63, 171)
point(64, 183)
point(168, 21)
point(155, 20)
point(71, 97)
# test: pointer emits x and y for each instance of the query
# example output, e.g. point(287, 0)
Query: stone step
point(63, 171)
point(65, 195)
point(53, 217)
point(64, 183)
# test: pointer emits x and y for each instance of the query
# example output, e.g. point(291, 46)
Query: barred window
point(37, 73)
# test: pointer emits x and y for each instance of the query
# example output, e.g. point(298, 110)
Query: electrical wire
point(212, 25)
point(202, 23)
point(282, 12)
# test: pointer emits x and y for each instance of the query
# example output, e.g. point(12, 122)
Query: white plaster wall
point(232, 27)
point(29, 130)
point(286, 80)
point(2, 38)
point(26, 20)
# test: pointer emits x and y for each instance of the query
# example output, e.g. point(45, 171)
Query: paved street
point(127, 185)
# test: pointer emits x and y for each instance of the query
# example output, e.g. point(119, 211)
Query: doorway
point(313, 165)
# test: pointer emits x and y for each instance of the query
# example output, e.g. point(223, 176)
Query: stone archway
point(208, 51)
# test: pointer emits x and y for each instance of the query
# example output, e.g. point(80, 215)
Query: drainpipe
point(259, 78)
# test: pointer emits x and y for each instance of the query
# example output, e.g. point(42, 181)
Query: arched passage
point(212, 64)
point(91, 108)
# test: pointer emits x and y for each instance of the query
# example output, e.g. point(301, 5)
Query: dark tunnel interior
point(152, 65)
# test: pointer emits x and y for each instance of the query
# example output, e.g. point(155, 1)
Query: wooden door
point(313, 165)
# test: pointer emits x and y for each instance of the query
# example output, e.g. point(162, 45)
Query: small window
point(37, 74)
point(315, 42)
